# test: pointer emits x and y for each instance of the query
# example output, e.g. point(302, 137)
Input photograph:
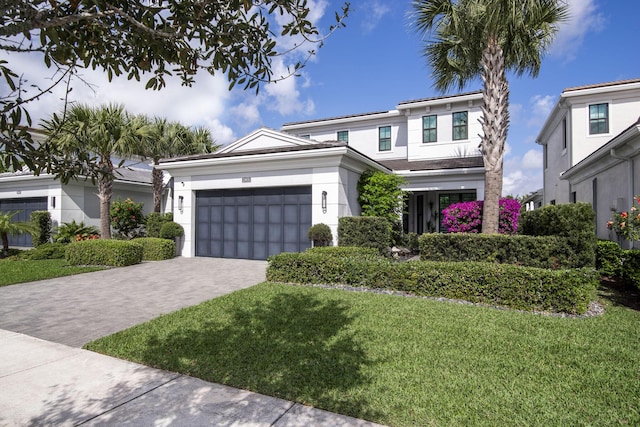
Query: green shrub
point(574, 221)
point(45, 251)
point(524, 288)
point(533, 251)
point(171, 230)
point(71, 231)
point(631, 267)
point(42, 220)
point(609, 257)
point(154, 221)
point(365, 231)
point(320, 234)
point(410, 240)
point(345, 251)
point(117, 253)
point(156, 249)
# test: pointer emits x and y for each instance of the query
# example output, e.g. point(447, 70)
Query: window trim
point(380, 139)
point(434, 129)
point(454, 126)
point(607, 119)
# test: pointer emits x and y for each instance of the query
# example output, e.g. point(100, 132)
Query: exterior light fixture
point(324, 202)
point(180, 203)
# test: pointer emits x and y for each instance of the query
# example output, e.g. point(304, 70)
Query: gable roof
point(259, 137)
point(123, 174)
point(599, 85)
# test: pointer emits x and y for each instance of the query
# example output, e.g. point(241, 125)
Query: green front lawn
point(20, 271)
point(402, 361)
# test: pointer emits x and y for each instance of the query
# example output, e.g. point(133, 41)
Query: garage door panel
point(253, 223)
point(24, 207)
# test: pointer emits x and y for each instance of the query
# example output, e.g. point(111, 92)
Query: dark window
point(305, 136)
point(552, 202)
point(460, 128)
point(384, 138)
point(574, 198)
point(420, 214)
point(544, 155)
point(343, 135)
point(564, 134)
point(429, 129)
point(598, 119)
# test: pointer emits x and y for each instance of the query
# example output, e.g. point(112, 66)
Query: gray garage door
point(252, 224)
point(24, 207)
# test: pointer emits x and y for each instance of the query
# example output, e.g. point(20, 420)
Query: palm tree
point(8, 227)
point(487, 38)
point(163, 139)
point(105, 132)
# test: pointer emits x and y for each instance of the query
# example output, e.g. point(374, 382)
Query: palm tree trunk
point(495, 123)
point(157, 177)
point(5, 243)
point(105, 191)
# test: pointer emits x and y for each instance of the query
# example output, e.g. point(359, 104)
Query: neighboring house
point(589, 147)
point(534, 200)
point(259, 195)
point(77, 200)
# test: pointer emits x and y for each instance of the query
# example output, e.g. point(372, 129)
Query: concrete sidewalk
point(44, 383)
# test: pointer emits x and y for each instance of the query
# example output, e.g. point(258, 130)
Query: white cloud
point(523, 174)
point(284, 96)
point(374, 13)
point(584, 17)
point(540, 107)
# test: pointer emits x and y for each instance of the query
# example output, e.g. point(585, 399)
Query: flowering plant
point(126, 217)
point(466, 217)
point(626, 224)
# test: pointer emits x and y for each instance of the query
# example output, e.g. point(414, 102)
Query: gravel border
point(594, 309)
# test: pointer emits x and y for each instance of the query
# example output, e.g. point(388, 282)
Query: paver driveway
point(77, 309)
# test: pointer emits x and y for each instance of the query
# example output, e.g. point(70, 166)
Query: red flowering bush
point(627, 224)
point(466, 217)
point(126, 217)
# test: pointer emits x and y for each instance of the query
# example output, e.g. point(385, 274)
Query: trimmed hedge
point(574, 221)
point(631, 266)
point(345, 251)
point(117, 253)
point(552, 252)
point(45, 251)
point(156, 249)
point(365, 231)
point(524, 288)
point(609, 258)
point(42, 220)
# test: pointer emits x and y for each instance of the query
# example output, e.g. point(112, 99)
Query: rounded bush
point(156, 249)
point(171, 230)
point(45, 251)
point(320, 234)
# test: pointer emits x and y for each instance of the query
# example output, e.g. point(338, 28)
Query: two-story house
point(259, 195)
point(591, 145)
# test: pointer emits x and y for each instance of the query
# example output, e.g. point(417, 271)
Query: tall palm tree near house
point(164, 139)
point(105, 132)
point(466, 39)
point(10, 227)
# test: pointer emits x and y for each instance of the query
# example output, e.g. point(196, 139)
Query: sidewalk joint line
point(130, 400)
point(283, 414)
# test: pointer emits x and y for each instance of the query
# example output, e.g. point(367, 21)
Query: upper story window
point(429, 129)
point(564, 134)
point(343, 135)
point(598, 119)
point(384, 138)
point(305, 136)
point(460, 127)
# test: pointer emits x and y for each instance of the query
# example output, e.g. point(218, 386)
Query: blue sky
point(372, 65)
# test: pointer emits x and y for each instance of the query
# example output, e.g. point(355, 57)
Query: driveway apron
point(77, 309)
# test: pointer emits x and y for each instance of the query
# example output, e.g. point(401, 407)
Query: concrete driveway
point(77, 309)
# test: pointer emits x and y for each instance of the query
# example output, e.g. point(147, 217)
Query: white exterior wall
point(624, 109)
point(557, 161)
point(445, 147)
point(363, 134)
